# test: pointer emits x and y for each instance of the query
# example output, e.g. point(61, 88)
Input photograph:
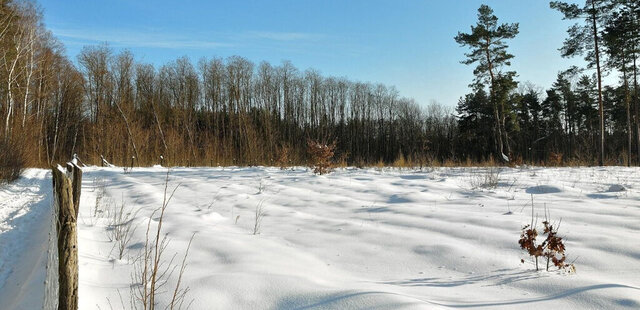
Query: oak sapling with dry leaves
point(528, 243)
point(552, 248)
point(321, 155)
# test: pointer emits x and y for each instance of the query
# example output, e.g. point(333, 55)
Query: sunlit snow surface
point(354, 239)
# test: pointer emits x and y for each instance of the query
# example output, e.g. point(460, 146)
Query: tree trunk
point(496, 114)
point(635, 104)
point(600, 104)
point(627, 98)
point(126, 122)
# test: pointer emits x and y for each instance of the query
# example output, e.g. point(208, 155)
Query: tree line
point(578, 119)
point(234, 112)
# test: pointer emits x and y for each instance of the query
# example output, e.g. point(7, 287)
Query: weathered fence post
point(76, 182)
point(66, 191)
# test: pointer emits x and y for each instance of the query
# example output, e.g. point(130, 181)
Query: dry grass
point(11, 161)
point(401, 162)
point(121, 229)
point(486, 178)
point(153, 269)
point(259, 215)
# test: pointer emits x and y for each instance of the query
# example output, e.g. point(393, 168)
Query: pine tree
point(531, 101)
point(631, 9)
point(585, 38)
point(552, 112)
point(489, 51)
point(619, 46)
point(586, 114)
point(474, 124)
point(563, 87)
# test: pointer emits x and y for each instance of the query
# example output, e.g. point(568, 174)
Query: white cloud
point(286, 36)
point(137, 39)
point(159, 39)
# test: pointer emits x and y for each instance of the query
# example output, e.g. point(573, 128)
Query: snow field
point(354, 239)
point(376, 239)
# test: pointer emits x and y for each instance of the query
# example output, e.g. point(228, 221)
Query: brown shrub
point(321, 155)
point(552, 248)
point(11, 161)
point(517, 161)
point(284, 157)
point(401, 161)
point(555, 159)
point(343, 160)
point(528, 242)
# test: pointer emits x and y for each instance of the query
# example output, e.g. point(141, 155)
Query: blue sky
point(405, 43)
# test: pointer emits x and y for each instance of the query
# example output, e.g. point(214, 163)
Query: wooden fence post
point(76, 184)
point(66, 197)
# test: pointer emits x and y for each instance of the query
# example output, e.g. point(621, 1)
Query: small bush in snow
point(485, 178)
point(284, 157)
point(321, 155)
point(552, 248)
point(261, 186)
point(401, 161)
point(555, 159)
point(528, 242)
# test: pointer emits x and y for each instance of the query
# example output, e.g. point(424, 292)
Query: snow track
point(25, 215)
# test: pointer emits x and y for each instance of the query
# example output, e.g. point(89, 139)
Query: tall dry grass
point(12, 161)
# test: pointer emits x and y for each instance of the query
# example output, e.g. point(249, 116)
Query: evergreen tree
point(586, 114)
point(531, 101)
point(632, 9)
point(585, 39)
point(552, 112)
point(489, 51)
point(475, 119)
point(563, 87)
point(619, 45)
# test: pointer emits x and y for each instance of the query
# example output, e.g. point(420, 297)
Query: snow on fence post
point(66, 191)
point(75, 173)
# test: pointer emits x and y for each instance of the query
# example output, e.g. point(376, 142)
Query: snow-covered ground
point(354, 239)
point(25, 223)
